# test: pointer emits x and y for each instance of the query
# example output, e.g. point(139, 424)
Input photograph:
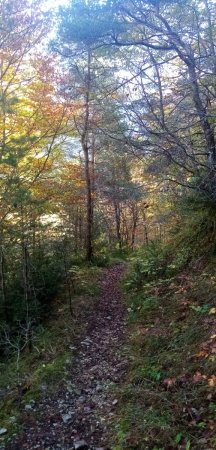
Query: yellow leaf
point(212, 311)
point(201, 354)
point(212, 381)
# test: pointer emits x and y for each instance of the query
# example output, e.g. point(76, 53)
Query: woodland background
point(107, 146)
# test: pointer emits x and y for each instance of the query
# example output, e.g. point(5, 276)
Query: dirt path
point(78, 417)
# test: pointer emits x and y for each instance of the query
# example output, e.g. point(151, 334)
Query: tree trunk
point(118, 223)
point(146, 238)
point(201, 110)
point(3, 287)
point(89, 205)
point(85, 148)
point(134, 225)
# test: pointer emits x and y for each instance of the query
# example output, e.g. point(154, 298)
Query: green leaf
point(178, 438)
point(188, 445)
point(201, 425)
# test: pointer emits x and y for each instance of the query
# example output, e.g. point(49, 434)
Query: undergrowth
point(169, 398)
point(40, 372)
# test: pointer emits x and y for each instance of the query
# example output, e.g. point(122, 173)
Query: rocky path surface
point(77, 417)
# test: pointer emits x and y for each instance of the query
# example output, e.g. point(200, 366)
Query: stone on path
point(80, 445)
point(3, 431)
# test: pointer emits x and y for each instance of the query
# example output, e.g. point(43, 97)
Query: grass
point(168, 400)
point(46, 368)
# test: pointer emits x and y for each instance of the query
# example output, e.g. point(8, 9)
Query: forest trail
point(78, 416)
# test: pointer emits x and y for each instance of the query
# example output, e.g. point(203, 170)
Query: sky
point(50, 4)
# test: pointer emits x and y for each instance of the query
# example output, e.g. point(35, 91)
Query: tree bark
point(118, 223)
point(201, 110)
point(86, 151)
point(134, 225)
point(3, 287)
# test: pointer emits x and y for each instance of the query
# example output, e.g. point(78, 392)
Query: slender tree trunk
point(146, 238)
point(76, 224)
point(89, 248)
point(125, 231)
point(26, 284)
point(26, 292)
point(33, 232)
point(80, 225)
point(93, 154)
point(85, 147)
point(3, 287)
point(134, 225)
point(68, 282)
point(118, 223)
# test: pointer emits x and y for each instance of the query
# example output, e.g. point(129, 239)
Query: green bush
point(146, 265)
point(195, 231)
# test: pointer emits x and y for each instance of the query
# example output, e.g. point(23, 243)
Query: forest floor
point(125, 371)
point(168, 398)
point(78, 414)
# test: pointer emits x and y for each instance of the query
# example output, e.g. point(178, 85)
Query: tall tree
point(80, 30)
point(172, 69)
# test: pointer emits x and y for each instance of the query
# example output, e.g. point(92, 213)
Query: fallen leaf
point(192, 423)
point(212, 311)
point(169, 381)
point(197, 377)
point(212, 381)
point(143, 330)
point(184, 302)
point(202, 354)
